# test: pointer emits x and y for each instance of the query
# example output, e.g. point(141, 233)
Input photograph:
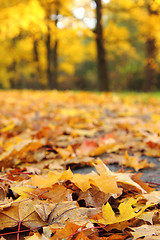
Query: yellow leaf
point(126, 212)
point(43, 182)
point(8, 128)
point(81, 181)
point(106, 184)
point(22, 191)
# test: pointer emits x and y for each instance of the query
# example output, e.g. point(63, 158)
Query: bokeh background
point(110, 45)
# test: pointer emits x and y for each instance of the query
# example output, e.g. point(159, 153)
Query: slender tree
point(51, 9)
point(151, 52)
point(55, 54)
point(51, 84)
point(101, 54)
point(37, 64)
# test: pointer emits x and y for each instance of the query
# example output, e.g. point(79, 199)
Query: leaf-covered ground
point(48, 140)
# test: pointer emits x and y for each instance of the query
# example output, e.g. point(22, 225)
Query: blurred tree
point(51, 9)
point(147, 16)
point(36, 60)
point(21, 24)
point(62, 25)
point(153, 10)
point(119, 42)
point(101, 53)
point(143, 25)
point(55, 43)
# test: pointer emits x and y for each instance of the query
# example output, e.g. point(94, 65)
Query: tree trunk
point(151, 74)
point(36, 60)
point(12, 68)
point(55, 63)
point(51, 69)
point(151, 80)
point(49, 59)
point(55, 53)
point(103, 79)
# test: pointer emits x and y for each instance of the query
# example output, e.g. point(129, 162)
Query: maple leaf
point(93, 197)
point(65, 153)
point(134, 162)
point(121, 178)
point(43, 182)
point(125, 179)
point(18, 214)
point(126, 212)
point(81, 235)
point(87, 147)
point(53, 194)
point(105, 183)
point(22, 191)
point(58, 213)
point(67, 231)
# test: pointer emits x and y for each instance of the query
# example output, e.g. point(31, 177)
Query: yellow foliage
point(22, 17)
point(127, 211)
point(22, 23)
point(114, 34)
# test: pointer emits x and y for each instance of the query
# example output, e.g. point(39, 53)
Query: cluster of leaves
point(48, 131)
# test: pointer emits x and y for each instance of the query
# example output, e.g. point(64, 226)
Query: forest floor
point(82, 154)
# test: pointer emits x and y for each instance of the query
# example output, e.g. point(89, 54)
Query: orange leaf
point(87, 147)
point(68, 230)
point(81, 236)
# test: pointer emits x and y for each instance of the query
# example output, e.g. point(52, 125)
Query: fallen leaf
point(70, 211)
point(87, 147)
point(20, 213)
point(126, 212)
point(69, 230)
point(146, 232)
point(81, 235)
point(134, 162)
point(152, 197)
point(148, 216)
point(35, 236)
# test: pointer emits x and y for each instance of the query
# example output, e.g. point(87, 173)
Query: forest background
point(107, 45)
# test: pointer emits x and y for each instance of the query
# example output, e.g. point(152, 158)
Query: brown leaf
point(20, 213)
point(147, 232)
point(70, 211)
point(93, 197)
